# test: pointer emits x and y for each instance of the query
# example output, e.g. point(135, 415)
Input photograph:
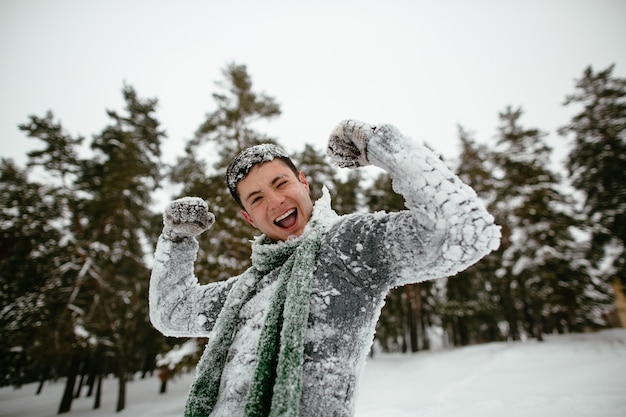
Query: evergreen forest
point(78, 233)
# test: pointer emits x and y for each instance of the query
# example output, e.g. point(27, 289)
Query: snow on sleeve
point(179, 305)
point(456, 228)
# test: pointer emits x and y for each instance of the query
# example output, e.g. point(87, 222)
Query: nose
point(275, 199)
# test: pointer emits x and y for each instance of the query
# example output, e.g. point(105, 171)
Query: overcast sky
point(424, 66)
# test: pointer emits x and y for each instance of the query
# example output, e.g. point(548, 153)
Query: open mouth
point(287, 220)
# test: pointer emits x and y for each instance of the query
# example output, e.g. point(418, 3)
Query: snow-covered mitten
point(186, 217)
point(347, 144)
point(357, 144)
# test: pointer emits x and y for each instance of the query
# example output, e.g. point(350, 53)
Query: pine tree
point(99, 287)
point(539, 275)
point(597, 165)
point(119, 181)
point(42, 314)
point(29, 257)
point(238, 107)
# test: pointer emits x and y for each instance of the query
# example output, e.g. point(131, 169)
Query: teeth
point(284, 216)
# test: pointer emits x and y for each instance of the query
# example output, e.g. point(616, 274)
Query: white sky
point(424, 66)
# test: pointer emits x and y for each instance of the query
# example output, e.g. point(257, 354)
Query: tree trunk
point(463, 331)
point(91, 380)
point(40, 386)
point(411, 313)
point(511, 316)
point(538, 325)
point(98, 397)
point(425, 338)
point(164, 373)
point(149, 361)
point(42, 380)
point(403, 323)
point(83, 371)
point(68, 394)
point(121, 392)
point(96, 369)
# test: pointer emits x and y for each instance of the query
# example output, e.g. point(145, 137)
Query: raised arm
point(445, 229)
point(179, 305)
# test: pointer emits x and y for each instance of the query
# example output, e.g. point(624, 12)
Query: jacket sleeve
point(179, 305)
point(444, 230)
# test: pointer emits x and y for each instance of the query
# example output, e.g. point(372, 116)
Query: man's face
point(275, 200)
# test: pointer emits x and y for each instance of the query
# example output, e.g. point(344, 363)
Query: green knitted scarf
point(277, 383)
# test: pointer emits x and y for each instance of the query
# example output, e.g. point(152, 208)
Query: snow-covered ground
point(572, 375)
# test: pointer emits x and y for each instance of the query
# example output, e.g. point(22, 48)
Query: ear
point(246, 216)
point(302, 179)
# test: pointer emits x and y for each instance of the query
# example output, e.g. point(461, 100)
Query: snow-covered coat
point(362, 256)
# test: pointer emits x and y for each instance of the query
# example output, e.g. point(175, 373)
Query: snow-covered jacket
point(444, 230)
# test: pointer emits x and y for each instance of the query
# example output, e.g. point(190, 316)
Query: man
point(290, 335)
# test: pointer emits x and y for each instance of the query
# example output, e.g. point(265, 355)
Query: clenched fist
point(186, 217)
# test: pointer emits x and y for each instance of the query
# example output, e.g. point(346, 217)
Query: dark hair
point(241, 165)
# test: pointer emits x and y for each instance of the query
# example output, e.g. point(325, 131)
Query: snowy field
point(568, 376)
